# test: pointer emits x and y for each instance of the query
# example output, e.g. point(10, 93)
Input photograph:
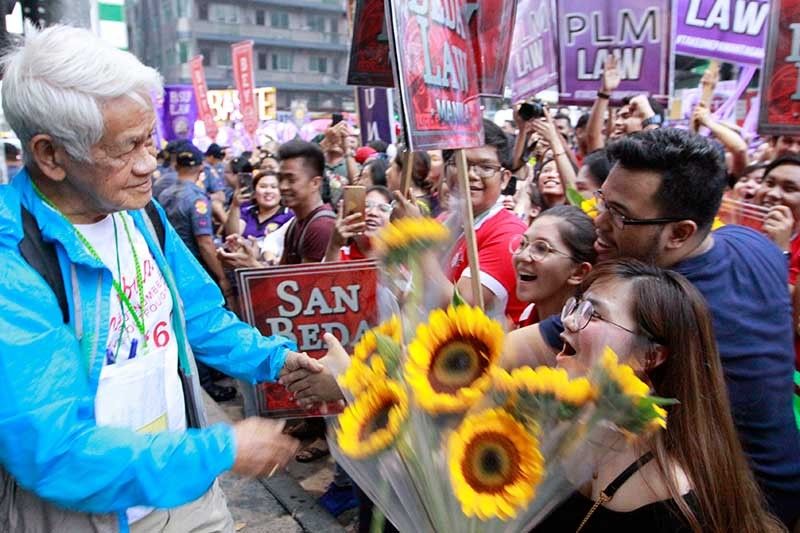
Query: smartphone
point(246, 182)
point(336, 118)
point(355, 199)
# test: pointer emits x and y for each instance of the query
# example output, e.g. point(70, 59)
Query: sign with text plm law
point(434, 61)
point(635, 31)
point(532, 66)
point(726, 30)
point(303, 302)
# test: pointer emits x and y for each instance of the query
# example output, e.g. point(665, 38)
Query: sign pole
point(408, 172)
point(469, 228)
point(708, 83)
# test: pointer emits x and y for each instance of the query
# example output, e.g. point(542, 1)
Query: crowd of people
point(609, 231)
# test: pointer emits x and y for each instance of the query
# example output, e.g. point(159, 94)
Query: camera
point(533, 109)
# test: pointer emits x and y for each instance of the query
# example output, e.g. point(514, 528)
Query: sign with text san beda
point(303, 302)
point(375, 115)
point(242, 56)
point(201, 95)
point(532, 66)
point(727, 30)
point(636, 31)
point(780, 79)
point(435, 67)
point(369, 51)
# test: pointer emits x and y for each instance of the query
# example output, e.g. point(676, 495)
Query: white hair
point(57, 80)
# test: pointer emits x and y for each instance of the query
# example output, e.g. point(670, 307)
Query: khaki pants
point(209, 514)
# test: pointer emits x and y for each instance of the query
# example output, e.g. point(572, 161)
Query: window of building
point(183, 51)
point(316, 23)
point(223, 56)
point(318, 64)
point(226, 13)
point(261, 18)
point(262, 61)
point(334, 26)
point(202, 11)
point(279, 19)
point(206, 53)
point(281, 62)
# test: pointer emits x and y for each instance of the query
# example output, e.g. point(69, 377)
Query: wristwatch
point(655, 120)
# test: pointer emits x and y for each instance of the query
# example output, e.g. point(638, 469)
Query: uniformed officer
point(167, 176)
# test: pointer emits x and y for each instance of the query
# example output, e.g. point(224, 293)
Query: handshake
point(261, 446)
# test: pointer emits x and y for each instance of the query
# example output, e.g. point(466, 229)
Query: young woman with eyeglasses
point(350, 237)
point(551, 259)
point(693, 476)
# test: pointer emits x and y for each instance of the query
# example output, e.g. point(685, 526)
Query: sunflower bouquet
point(442, 439)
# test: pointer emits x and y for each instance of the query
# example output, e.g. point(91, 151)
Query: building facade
point(300, 46)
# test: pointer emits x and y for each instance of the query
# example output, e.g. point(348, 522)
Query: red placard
point(304, 302)
point(491, 24)
point(243, 76)
point(198, 74)
point(780, 78)
point(434, 61)
point(369, 51)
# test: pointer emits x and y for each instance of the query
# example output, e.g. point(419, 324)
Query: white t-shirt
point(142, 392)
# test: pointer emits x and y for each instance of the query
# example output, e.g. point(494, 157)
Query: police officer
point(214, 169)
point(167, 176)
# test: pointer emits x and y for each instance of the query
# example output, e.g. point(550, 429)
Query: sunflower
point(361, 375)
point(495, 465)
point(368, 343)
point(373, 421)
point(544, 381)
point(449, 360)
point(623, 375)
point(408, 235)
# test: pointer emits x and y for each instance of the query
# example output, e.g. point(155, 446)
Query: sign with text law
point(303, 302)
point(435, 67)
point(532, 66)
point(375, 115)
point(722, 29)
point(636, 31)
point(369, 50)
point(780, 80)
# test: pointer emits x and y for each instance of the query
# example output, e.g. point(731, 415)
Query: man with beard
point(658, 205)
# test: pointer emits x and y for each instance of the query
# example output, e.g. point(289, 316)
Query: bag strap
point(42, 256)
point(324, 213)
point(620, 480)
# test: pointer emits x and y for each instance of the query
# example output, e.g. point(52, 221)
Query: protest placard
point(243, 76)
point(370, 64)
point(721, 29)
point(780, 78)
point(198, 75)
point(376, 115)
point(303, 302)
point(532, 64)
point(434, 62)
point(636, 31)
point(178, 112)
point(489, 22)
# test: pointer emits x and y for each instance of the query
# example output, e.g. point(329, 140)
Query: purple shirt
point(254, 228)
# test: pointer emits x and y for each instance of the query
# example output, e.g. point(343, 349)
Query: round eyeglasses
point(577, 314)
point(538, 249)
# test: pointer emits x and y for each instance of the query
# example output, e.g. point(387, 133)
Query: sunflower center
point(457, 364)
point(378, 420)
point(491, 463)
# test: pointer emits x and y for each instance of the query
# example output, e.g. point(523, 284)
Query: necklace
point(138, 318)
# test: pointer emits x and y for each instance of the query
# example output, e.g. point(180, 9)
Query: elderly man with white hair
point(103, 311)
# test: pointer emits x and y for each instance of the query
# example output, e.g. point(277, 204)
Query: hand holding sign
point(779, 226)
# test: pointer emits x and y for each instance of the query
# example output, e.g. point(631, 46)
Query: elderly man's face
point(118, 178)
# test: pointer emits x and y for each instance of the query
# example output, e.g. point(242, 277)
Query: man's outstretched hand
point(309, 387)
point(300, 361)
point(261, 447)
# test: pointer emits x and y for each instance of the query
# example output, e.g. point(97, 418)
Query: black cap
point(189, 156)
point(174, 146)
point(215, 150)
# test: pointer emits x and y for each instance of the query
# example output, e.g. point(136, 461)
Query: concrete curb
point(247, 496)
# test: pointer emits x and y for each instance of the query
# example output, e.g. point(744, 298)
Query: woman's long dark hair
point(700, 434)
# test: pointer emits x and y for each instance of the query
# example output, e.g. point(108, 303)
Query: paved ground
point(283, 503)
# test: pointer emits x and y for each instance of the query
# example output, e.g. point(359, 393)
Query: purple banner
point(375, 112)
point(636, 31)
point(722, 29)
point(179, 112)
point(532, 66)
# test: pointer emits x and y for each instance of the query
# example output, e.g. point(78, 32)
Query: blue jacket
point(49, 441)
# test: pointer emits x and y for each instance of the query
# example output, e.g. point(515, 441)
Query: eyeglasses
point(577, 314)
point(381, 206)
point(483, 171)
point(620, 220)
point(539, 248)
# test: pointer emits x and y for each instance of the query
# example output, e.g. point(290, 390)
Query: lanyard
point(138, 318)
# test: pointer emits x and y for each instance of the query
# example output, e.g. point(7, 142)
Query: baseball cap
point(175, 146)
point(215, 150)
point(364, 153)
point(189, 156)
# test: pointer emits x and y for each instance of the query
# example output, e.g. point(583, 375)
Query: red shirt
point(493, 234)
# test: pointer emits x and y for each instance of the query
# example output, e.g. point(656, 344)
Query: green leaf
point(457, 299)
point(389, 351)
point(574, 197)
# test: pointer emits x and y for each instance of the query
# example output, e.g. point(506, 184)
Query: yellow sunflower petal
point(373, 421)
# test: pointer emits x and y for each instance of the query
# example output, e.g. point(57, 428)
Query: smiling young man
point(658, 205)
